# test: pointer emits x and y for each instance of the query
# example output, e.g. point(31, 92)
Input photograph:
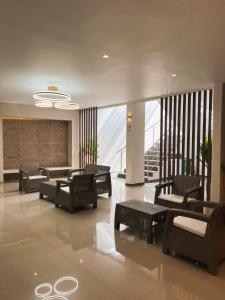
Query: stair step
point(151, 168)
point(152, 152)
point(152, 162)
point(121, 175)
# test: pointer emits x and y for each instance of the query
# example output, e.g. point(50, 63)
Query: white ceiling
point(62, 42)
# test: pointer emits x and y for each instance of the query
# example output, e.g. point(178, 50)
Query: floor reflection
point(39, 243)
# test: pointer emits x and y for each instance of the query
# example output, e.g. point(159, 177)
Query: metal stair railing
point(151, 128)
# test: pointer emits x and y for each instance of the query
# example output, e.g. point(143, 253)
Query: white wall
point(135, 144)
point(112, 136)
point(21, 110)
point(152, 118)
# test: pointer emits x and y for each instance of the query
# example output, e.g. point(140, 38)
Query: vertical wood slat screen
point(88, 136)
point(186, 124)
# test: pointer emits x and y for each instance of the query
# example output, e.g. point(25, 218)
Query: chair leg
point(166, 250)
point(117, 225)
point(71, 210)
point(213, 269)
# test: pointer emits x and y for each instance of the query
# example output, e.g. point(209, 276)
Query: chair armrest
point(192, 190)
point(45, 171)
point(208, 204)
point(70, 172)
point(172, 213)
point(24, 173)
point(163, 185)
point(61, 183)
point(102, 174)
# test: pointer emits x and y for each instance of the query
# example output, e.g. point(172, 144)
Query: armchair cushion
point(100, 180)
point(65, 189)
point(174, 198)
point(192, 225)
point(37, 177)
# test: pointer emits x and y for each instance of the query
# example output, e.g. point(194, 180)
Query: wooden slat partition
point(210, 146)
point(178, 133)
point(183, 133)
point(87, 136)
point(185, 125)
point(161, 139)
point(165, 139)
point(199, 94)
point(169, 136)
point(193, 134)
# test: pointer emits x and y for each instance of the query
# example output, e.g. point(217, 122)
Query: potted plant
point(205, 151)
point(90, 151)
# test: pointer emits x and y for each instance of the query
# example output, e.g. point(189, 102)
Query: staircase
point(151, 163)
point(151, 156)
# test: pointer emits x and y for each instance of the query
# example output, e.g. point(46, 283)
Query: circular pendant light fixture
point(43, 103)
point(52, 94)
point(52, 97)
point(68, 106)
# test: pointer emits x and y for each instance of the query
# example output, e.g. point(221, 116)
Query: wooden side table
point(146, 217)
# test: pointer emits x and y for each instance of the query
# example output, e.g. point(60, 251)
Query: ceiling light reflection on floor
point(59, 294)
point(68, 292)
point(43, 286)
point(55, 297)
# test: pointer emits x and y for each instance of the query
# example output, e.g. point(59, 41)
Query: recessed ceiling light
point(174, 75)
point(105, 56)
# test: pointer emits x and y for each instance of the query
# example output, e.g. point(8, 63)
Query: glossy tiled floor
point(39, 243)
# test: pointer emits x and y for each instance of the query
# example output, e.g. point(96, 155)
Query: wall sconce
point(129, 118)
point(129, 121)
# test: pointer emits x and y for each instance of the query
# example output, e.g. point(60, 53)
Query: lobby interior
point(140, 88)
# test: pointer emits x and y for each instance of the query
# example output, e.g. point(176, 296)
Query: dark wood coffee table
point(144, 216)
point(48, 188)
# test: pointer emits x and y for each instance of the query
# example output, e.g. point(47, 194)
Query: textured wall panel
point(43, 141)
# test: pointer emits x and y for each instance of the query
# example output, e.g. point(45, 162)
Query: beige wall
point(21, 110)
point(1, 151)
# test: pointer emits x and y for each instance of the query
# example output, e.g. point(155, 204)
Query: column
point(135, 144)
point(1, 150)
point(218, 145)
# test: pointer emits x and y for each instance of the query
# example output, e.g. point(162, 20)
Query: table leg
point(117, 225)
point(150, 233)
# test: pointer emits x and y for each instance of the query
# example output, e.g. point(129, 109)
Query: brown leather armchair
point(102, 177)
point(31, 175)
point(200, 236)
point(182, 190)
point(79, 191)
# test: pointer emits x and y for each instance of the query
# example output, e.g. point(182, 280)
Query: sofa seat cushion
point(174, 198)
point(33, 177)
point(192, 225)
